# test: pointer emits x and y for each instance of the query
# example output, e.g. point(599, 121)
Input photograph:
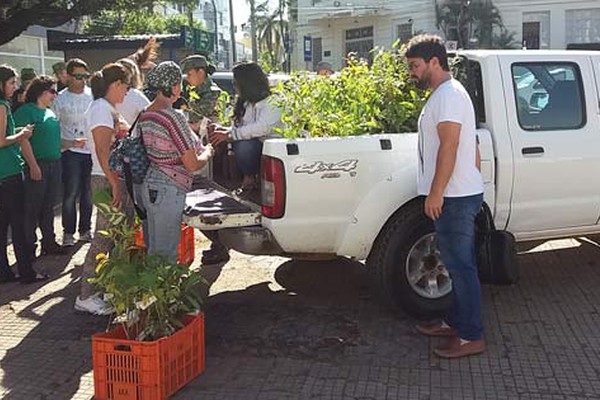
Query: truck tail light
point(273, 187)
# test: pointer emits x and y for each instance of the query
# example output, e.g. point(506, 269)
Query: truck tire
point(406, 267)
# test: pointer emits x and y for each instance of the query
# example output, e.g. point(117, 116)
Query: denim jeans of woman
point(455, 230)
point(164, 202)
point(247, 155)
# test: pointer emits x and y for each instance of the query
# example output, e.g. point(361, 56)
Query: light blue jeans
point(164, 202)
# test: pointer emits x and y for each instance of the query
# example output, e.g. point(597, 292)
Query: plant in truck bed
point(360, 99)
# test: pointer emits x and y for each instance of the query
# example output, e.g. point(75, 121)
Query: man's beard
point(422, 83)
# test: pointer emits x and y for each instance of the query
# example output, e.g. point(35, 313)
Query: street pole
point(232, 33)
point(216, 32)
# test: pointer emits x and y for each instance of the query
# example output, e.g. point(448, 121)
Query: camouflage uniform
point(202, 101)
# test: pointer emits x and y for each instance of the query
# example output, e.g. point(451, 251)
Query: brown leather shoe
point(449, 343)
point(435, 329)
point(457, 350)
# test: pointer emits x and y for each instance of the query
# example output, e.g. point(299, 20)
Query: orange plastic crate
point(129, 370)
point(186, 250)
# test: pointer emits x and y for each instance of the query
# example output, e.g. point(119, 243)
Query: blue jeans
point(247, 155)
point(455, 230)
point(164, 203)
point(76, 177)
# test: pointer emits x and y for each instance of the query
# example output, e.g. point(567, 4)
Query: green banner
point(199, 40)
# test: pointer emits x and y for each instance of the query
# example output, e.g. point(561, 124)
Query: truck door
point(553, 123)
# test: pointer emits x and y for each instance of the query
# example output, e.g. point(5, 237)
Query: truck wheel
point(407, 267)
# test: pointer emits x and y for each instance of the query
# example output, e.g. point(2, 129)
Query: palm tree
point(462, 20)
point(271, 31)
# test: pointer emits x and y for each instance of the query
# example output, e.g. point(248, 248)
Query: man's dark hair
point(427, 47)
point(253, 86)
point(38, 86)
point(76, 63)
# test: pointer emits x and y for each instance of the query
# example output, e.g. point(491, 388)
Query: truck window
point(468, 72)
point(549, 96)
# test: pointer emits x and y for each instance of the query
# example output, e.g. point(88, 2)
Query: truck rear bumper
point(253, 240)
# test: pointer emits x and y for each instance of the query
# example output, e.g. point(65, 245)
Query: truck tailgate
point(212, 207)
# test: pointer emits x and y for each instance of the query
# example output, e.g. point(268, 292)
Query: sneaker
point(93, 305)
point(85, 236)
point(68, 239)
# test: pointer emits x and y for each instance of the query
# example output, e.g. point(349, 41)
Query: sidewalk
point(280, 329)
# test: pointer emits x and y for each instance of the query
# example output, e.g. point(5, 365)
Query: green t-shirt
point(11, 161)
point(45, 140)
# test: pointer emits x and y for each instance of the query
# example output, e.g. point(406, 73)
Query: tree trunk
point(253, 30)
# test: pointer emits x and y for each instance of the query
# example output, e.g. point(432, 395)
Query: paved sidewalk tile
point(282, 329)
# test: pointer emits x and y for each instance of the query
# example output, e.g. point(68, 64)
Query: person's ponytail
point(101, 80)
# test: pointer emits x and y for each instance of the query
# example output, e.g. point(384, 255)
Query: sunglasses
point(80, 76)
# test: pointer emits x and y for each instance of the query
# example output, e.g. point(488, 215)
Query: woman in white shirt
point(254, 119)
point(135, 100)
point(109, 87)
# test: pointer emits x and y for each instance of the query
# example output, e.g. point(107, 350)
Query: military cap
point(27, 74)
point(196, 61)
point(59, 66)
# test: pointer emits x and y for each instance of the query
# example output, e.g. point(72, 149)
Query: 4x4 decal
point(320, 166)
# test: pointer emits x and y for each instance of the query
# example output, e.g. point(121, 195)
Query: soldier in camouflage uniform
point(202, 94)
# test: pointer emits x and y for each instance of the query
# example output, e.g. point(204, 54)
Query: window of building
point(27, 51)
point(404, 32)
point(583, 26)
point(536, 30)
point(549, 96)
point(360, 42)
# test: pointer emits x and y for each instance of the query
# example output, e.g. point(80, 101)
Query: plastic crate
point(186, 250)
point(130, 370)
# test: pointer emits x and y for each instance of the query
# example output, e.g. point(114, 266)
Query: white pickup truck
point(538, 115)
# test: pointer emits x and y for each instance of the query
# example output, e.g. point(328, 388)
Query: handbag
point(129, 152)
point(496, 251)
point(129, 159)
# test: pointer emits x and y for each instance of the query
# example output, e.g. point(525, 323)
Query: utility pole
point(232, 33)
point(253, 30)
point(216, 32)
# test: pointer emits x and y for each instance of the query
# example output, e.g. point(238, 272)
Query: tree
point(17, 15)
point(465, 20)
point(271, 31)
point(118, 23)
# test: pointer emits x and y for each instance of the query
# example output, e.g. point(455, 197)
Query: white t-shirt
point(450, 102)
point(70, 110)
point(100, 113)
point(135, 101)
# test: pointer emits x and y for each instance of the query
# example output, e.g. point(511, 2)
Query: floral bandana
point(164, 76)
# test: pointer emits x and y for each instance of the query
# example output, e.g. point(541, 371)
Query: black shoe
point(214, 257)
point(34, 279)
point(54, 248)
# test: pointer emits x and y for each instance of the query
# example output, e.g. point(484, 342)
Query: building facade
point(30, 50)
point(214, 15)
point(327, 30)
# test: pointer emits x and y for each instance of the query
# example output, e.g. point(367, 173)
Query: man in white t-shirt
point(70, 106)
point(450, 180)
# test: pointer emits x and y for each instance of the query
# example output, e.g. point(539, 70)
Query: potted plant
point(157, 343)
